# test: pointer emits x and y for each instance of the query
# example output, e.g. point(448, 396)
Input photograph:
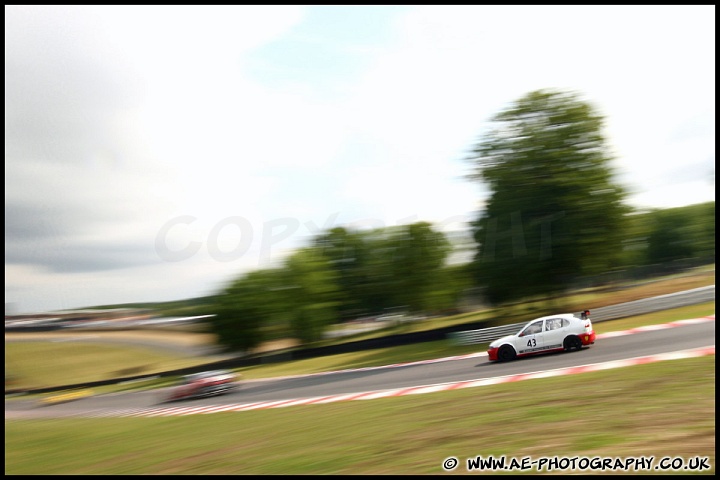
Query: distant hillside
point(189, 307)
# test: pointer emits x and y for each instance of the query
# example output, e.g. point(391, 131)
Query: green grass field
point(662, 409)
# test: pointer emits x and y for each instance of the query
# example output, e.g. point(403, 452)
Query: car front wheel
point(573, 343)
point(506, 353)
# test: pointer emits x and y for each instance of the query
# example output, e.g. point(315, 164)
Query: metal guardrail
point(601, 314)
point(484, 335)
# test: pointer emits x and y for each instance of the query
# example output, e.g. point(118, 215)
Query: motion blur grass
point(41, 364)
point(661, 409)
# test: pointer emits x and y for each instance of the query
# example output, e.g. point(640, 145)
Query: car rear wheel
point(506, 353)
point(573, 343)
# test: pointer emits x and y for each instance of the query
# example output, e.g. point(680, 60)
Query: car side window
point(556, 323)
point(533, 328)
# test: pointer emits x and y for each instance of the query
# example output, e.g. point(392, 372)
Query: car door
point(530, 339)
point(555, 332)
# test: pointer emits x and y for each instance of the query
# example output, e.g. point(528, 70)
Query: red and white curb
point(662, 326)
point(678, 323)
point(682, 354)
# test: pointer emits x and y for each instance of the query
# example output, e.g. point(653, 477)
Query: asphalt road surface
point(605, 349)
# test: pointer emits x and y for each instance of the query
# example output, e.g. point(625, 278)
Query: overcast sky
point(154, 153)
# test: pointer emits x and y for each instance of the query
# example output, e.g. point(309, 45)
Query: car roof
point(557, 315)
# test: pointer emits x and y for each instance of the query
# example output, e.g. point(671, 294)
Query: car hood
point(500, 341)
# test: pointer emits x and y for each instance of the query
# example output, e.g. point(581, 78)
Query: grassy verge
point(663, 409)
point(659, 410)
point(40, 364)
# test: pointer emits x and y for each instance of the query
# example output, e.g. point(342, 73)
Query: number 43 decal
point(531, 342)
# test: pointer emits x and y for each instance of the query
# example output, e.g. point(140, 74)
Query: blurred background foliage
point(555, 220)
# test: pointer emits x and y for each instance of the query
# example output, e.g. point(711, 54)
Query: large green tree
point(554, 212)
point(298, 299)
point(312, 293)
point(682, 233)
point(246, 306)
point(391, 268)
point(417, 255)
point(348, 254)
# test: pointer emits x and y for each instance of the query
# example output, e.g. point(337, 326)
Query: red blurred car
point(204, 384)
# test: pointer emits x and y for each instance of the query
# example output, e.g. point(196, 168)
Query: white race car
point(553, 333)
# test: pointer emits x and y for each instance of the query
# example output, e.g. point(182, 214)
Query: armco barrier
point(484, 335)
point(612, 312)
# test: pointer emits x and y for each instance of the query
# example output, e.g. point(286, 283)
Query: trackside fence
point(601, 314)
